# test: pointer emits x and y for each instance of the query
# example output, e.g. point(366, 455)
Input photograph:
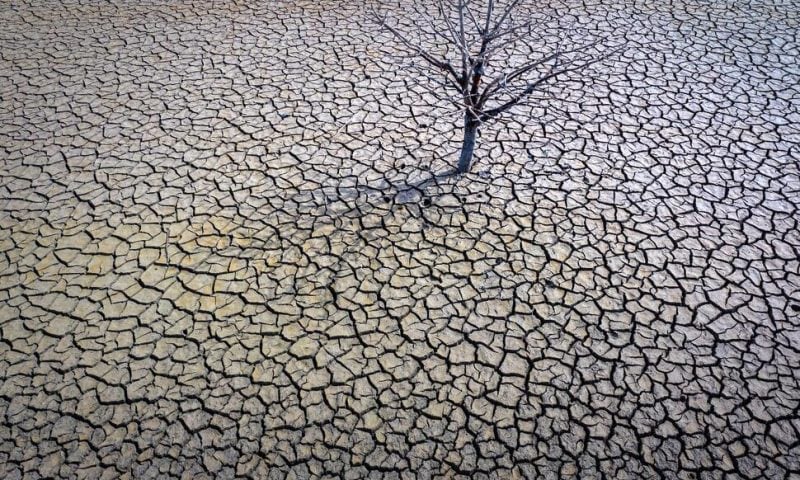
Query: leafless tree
point(473, 53)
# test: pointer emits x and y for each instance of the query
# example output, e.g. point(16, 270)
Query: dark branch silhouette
point(473, 34)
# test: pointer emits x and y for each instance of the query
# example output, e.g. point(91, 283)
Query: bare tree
point(474, 54)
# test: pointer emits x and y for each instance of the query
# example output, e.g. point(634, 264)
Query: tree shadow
point(360, 199)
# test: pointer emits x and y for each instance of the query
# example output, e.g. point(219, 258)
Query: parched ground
point(208, 270)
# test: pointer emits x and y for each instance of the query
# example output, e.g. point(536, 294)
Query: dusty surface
point(200, 276)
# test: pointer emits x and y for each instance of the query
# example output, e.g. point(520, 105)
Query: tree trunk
point(468, 146)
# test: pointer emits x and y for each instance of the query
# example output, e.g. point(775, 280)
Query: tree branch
point(504, 16)
point(478, 40)
point(458, 81)
point(495, 85)
point(494, 112)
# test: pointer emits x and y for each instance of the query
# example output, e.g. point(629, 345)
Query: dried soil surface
point(213, 263)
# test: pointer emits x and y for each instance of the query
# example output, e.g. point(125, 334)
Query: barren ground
point(205, 272)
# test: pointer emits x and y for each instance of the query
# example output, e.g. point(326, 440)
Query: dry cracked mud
point(208, 269)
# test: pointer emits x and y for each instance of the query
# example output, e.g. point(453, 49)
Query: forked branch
point(480, 37)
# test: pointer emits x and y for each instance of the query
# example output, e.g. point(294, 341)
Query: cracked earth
point(208, 269)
